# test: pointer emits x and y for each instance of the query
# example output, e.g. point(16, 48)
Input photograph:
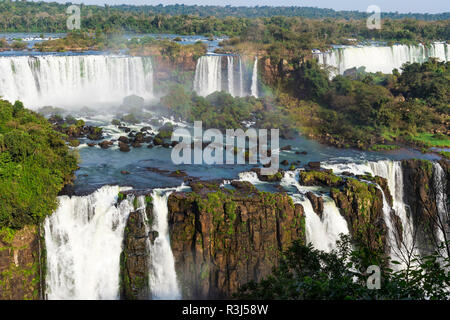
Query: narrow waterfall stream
point(163, 278)
point(254, 87)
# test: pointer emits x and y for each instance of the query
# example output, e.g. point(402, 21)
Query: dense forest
point(321, 24)
point(35, 164)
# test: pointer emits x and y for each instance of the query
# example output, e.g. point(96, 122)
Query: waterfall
point(381, 58)
point(74, 81)
point(83, 241)
point(241, 78)
point(392, 172)
point(249, 176)
point(163, 278)
point(439, 185)
point(321, 232)
point(208, 75)
point(254, 87)
point(230, 72)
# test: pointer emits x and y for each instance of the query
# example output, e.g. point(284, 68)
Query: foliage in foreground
point(304, 273)
point(35, 164)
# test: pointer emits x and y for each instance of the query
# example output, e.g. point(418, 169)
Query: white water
point(74, 81)
point(163, 278)
point(83, 241)
point(254, 87)
point(323, 232)
point(208, 75)
point(439, 182)
point(249, 176)
point(392, 171)
point(230, 72)
point(381, 58)
point(241, 79)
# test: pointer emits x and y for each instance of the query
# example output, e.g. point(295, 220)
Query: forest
point(321, 24)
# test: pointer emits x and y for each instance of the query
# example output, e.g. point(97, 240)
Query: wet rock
point(316, 202)
point(124, 139)
point(314, 164)
point(126, 129)
point(124, 147)
point(285, 163)
point(286, 148)
point(124, 172)
point(146, 129)
point(136, 144)
point(105, 144)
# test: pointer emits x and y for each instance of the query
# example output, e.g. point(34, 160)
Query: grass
point(432, 140)
point(445, 154)
point(383, 147)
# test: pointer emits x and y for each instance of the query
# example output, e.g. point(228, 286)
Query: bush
point(35, 164)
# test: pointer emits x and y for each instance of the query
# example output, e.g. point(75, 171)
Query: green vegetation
point(23, 16)
point(445, 154)
point(35, 164)
point(431, 140)
point(320, 178)
point(361, 113)
point(304, 273)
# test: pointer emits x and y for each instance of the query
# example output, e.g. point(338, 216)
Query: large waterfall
point(84, 239)
point(381, 58)
point(210, 76)
point(83, 242)
point(74, 81)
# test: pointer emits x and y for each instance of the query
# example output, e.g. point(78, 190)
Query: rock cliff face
point(421, 195)
point(135, 257)
point(20, 267)
point(223, 238)
point(361, 204)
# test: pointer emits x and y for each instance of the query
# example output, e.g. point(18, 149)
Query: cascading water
point(230, 72)
point(322, 232)
point(241, 78)
point(439, 184)
point(254, 87)
point(83, 241)
point(163, 278)
point(74, 81)
point(208, 75)
point(249, 176)
point(392, 172)
point(381, 58)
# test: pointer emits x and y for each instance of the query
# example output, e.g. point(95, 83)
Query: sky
point(402, 6)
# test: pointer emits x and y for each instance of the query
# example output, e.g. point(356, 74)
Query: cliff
point(223, 238)
point(20, 268)
point(421, 189)
point(135, 258)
